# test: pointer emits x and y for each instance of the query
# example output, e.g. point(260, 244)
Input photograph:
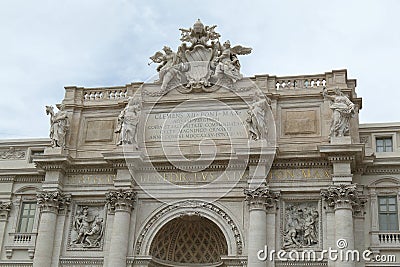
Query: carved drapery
point(52, 201)
point(344, 196)
point(121, 200)
point(261, 198)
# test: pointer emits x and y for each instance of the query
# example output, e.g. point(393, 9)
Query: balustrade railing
point(389, 238)
point(104, 94)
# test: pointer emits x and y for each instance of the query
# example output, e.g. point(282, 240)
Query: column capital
point(121, 200)
point(5, 208)
point(343, 196)
point(261, 198)
point(52, 201)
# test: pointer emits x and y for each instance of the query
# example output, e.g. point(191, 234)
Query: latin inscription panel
point(196, 125)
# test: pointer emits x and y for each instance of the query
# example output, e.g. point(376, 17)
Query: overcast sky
point(46, 45)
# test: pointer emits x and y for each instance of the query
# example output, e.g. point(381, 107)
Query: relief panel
point(86, 231)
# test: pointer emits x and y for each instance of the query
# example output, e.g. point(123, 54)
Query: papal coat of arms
point(201, 63)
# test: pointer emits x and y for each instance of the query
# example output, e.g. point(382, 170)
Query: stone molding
point(344, 197)
point(261, 198)
point(121, 200)
point(200, 208)
point(53, 201)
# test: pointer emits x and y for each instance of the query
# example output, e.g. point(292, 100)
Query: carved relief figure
point(88, 229)
point(301, 227)
point(343, 110)
point(257, 117)
point(128, 121)
point(59, 125)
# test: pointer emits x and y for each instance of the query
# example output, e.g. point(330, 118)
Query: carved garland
point(192, 204)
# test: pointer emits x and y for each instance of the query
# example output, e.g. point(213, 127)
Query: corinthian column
point(259, 200)
point(120, 201)
point(50, 203)
point(344, 199)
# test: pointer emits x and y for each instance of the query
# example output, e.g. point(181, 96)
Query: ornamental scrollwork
point(53, 201)
point(121, 199)
point(261, 197)
point(338, 196)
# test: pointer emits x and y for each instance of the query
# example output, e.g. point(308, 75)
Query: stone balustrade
point(389, 239)
point(96, 94)
point(300, 82)
point(17, 241)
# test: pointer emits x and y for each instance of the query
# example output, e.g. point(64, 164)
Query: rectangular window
point(26, 217)
point(384, 144)
point(388, 219)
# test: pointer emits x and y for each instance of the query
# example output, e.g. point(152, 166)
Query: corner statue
point(343, 110)
point(59, 125)
point(128, 121)
point(201, 63)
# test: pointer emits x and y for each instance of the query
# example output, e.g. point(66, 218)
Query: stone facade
point(206, 174)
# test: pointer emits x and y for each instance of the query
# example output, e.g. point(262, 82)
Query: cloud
point(47, 45)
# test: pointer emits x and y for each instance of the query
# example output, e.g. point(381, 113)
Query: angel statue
point(343, 110)
point(257, 117)
point(227, 62)
point(168, 68)
point(128, 121)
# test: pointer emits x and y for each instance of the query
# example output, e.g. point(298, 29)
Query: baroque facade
point(204, 167)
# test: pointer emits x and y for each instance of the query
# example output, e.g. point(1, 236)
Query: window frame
point(376, 136)
point(24, 198)
point(29, 217)
point(384, 147)
point(388, 212)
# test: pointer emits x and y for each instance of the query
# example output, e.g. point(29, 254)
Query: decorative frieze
point(343, 196)
point(12, 154)
point(261, 197)
point(53, 201)
point(121, 199)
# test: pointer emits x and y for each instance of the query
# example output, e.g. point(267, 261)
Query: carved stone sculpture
point(89, 228)
point(301, 228)
point(59, 125)
point(257, 117)
point(201, 63)
point(343, 110)
point(128, 121)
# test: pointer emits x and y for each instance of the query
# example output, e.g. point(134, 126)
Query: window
point(27, 217)
point(384, 144)
point(388, 219)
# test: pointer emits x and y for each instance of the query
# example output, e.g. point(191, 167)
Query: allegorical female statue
point(58, 126)
point(128, 121)
point(343, 110)
point(257, 117)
